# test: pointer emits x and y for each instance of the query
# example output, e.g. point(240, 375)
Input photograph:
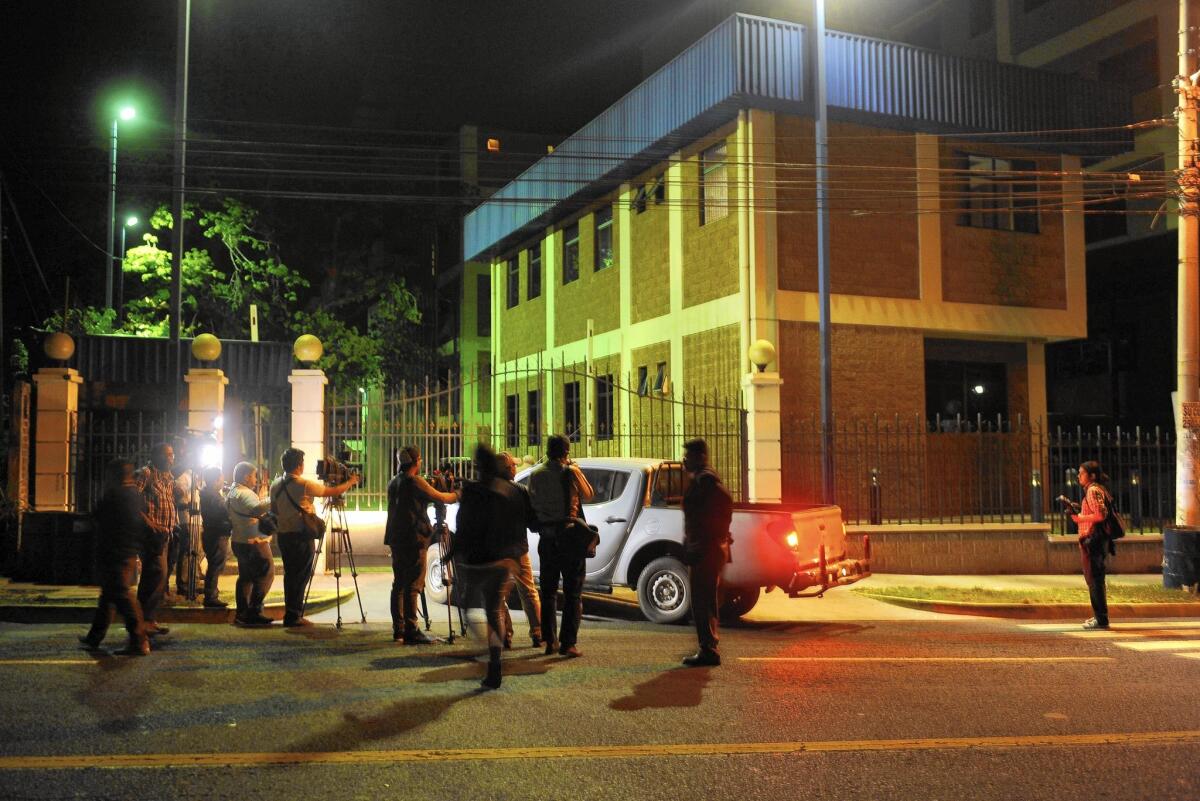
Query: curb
point(1039, 611)
point(61, 613)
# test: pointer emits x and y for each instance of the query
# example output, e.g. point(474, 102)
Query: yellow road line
point(1162, 645)
point(1162, 624)
point(118, 761)
point(983, 659)
point(4, 662)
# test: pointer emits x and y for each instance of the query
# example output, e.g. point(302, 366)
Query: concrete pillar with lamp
point(57, 411)
point(308, 410)
point(761, 395)
point(206, 398)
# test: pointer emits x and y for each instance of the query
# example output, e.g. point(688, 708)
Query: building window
point(534, 284)
point(533, 416)
point(483, 397)
point(656, 189)
point(982, 16)
point(571, 409)
point(660, 377)
point(513, 296)
point(571, 253)
point(483, 305)
point(1001, 194)
point(604, 407)
point(643, 380)
point(512, 420)
point(959, 394)
point(714, 184)
point(604, 238)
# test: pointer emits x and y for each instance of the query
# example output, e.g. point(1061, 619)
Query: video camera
point(338, 470)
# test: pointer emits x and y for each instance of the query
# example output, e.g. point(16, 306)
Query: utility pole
point(182, 43)
point(821, 132)
point(1187, 446)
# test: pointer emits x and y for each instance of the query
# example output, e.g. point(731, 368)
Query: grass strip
point(1117, 594)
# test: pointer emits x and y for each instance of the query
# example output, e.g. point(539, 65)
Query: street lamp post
point(126, 113)
point(824, 325)
point(130, 221)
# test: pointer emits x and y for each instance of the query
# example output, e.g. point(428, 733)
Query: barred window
point(604, 239)
point(604, 407)
point(534, 283)
point(571, 253)
point(714, 184)
point(571, 408)
point(1001, 194)
point(514, 282)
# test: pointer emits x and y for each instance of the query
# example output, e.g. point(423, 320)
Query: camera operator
point(215, 534)
point(291, 497)
point(161, 493)
point(256, 569)
point(407, 534)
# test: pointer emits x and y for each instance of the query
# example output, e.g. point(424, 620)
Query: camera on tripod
point(334, 471)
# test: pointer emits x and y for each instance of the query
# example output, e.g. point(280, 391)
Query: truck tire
point(435, 590)
point(737, 601)
point(663, 592)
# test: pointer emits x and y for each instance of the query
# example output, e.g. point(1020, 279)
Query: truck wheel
point(435, 590)
point(663, 593)
point(737, 601)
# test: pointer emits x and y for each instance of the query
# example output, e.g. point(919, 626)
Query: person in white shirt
point(252, 548)
point(291, 496)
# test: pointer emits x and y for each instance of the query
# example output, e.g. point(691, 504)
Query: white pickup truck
point(799, 548)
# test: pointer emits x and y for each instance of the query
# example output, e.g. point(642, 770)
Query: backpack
point(1114, 524)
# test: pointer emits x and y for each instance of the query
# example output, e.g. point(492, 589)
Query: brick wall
point(651, 420)
point(874, 254)
point(594, 295)
point(1005, 268)
point(523, 326)
point(710, 362)
point(710, 251)
point(649, 261)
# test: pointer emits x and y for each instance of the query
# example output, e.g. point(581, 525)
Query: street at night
point(882, 703)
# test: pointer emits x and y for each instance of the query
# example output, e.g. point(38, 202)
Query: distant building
point(657, 243)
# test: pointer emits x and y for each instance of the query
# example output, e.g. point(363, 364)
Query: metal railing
point(912, 470)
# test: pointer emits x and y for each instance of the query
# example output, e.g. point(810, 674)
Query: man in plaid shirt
point(158, 487)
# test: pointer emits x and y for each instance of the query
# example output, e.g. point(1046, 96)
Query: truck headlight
point(792, 539)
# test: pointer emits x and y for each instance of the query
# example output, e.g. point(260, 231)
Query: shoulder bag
point(313, 526)
point(268, 523)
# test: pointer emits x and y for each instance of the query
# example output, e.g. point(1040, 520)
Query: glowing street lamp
point(130, 222)
point(125, 113)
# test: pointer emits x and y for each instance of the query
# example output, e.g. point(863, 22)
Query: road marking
point(1161, 645)
point(4, 662)
point(1114, 635)
point(925, 659)
point(123, 761)
point(1189, 656)
point(1169, 624)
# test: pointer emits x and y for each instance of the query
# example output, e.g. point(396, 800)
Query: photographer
point(215, 534)
point(559, 489)
point(256, 569)
point(407, 534)
point(291, 501)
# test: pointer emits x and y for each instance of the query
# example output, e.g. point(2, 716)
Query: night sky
point(374, 73)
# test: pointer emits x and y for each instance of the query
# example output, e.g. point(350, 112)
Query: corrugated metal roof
point(137, 360)
point(754, 62)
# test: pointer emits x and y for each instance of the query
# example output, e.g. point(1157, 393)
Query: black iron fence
point(104, 434)
point(524, 405)
point(913, 470)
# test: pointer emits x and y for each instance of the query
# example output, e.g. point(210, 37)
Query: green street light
point(124, 113)
point(131, 221)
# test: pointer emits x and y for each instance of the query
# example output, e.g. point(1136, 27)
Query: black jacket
point(407, 513)
point(122, 525)
point(493, 522)
point(707, 512)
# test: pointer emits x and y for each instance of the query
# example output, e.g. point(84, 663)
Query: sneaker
point(296, 622)
point(702, 658)
point(1092, 624)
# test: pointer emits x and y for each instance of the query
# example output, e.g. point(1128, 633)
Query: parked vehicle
point(798, 548)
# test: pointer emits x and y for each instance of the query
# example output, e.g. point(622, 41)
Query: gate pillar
point(308, 412)
point(761, 395)
point(57, 417)
point(206, 402)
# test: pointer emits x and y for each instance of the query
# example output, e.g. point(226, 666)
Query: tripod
point(192, 554)
point(446, 565)
point(338, 532)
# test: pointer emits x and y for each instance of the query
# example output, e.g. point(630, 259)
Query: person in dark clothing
point(525, 584)
point(559, 489)
point(215, 534)
point(407, 534)
point(1093, 538)
point(491, 533)
point(121, 516)
point(707, 514)
point(161, 494)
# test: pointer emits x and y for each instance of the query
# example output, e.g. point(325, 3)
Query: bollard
point(1135, 489)
point(876, 498)
point(1037, 506)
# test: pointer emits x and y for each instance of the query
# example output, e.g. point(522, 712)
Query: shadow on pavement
point(521, 666)
point(801, 629)
point(401, 717)
point(117, 692)
point(674, 688)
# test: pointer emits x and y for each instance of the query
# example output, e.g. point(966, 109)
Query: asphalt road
point(851, 707)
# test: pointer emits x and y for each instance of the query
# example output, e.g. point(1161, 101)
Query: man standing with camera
point(292, 501)
point(407, 534)
point(559, 489)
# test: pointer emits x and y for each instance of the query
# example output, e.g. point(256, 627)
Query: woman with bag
point(292, 502)
point(252, 525)
point(1093, 538)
